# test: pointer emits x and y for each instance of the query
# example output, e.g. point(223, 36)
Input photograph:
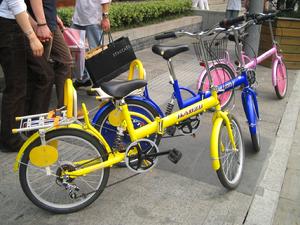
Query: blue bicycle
point(146, 106)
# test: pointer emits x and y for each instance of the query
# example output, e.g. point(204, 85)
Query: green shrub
point(66, 13)
point(128, 14)
point(289, 4)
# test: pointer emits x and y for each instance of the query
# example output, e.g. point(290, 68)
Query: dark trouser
point(40, 82)
point(61, 56)
point(15, 55)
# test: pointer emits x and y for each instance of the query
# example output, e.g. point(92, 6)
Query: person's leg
point(201, 4)
point(13, 62)
point(39, 84)
point(195, 3)
point(61, 56)
point(235, 13)
point(93, 34)
point(82, 81)
point(229, 14)
point(206, 7)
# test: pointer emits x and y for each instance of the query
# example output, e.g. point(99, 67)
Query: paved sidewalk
point(186, 193)
point(288, 210)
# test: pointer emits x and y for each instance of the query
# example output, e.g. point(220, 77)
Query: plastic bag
point(75, 40)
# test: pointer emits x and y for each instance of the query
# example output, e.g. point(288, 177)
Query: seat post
point(171, 70)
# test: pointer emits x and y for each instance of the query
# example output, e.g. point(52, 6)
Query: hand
point(60, 23)
point(105, 24)
point(43, 33)
point(35, 45)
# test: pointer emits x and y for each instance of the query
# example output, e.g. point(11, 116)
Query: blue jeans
point(230, 14)
point(93, 35)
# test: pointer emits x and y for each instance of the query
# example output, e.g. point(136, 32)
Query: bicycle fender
point(214, 142)
point(274, 70)
point(200, 79)
point(137, 98)
point(254, 98)
point(249, 111)
point(203, 73)
point(149, 102)
point(36, 135)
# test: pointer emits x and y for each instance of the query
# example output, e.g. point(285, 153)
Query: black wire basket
point(213, 49)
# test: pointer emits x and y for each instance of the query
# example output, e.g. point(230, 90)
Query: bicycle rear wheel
point(48, 188)
point(109, 131)
point(281, 80)
point(220, 73)
point(231, 161)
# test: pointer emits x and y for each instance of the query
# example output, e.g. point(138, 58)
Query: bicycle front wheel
point(48, 188)
point(231, 160)
point(281, 80)
point(220, 74)
point(254, 128)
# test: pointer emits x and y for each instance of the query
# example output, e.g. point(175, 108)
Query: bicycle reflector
point(43, 155)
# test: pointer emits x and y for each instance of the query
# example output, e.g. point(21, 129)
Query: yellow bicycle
point(65, 166)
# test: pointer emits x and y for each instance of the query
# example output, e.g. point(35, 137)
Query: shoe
point(86, 85)
point(80, 115)
point(91, 93)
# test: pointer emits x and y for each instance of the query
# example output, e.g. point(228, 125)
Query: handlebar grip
point(226, 23)
point(266, 17)
point(165, 35)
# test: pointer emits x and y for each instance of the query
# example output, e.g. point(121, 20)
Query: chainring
point(138, 155)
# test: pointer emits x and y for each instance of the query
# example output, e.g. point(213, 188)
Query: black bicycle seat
point(119, 88)
point(168, 52)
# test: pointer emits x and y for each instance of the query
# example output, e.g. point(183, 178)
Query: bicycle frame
point(160, 124)
point(157, 126)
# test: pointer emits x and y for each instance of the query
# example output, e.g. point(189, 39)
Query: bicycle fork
point(218, 118)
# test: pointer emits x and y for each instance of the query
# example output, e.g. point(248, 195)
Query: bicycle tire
point(224, 98)
point(225, 179)
point(109, 132)
point(75, 143)
point(255, 137)
point(281, 84)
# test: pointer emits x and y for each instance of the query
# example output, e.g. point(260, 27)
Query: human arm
point(35, 45)
point(105, 23)
point(42, 30)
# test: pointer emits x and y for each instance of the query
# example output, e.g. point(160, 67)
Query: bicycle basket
point(213, 49)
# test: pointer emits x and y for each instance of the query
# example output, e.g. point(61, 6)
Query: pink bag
point(75, 39)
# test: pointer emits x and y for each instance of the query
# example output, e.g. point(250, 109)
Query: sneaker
point(86, 85)
point(91, 93)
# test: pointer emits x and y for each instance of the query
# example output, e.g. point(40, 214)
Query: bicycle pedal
point(174, 155)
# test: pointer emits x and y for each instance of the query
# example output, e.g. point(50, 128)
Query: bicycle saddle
point(120, 88)
point(168, 52)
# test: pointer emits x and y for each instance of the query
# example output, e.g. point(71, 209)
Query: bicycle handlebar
point(165, 35)
point(262, 18)
point(227, 23)
point(176, 34)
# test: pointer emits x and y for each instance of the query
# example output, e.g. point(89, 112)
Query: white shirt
point(234, 5)
point(88, 12)
point(10, 8)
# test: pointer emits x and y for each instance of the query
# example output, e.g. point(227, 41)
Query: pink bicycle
point(225, 70)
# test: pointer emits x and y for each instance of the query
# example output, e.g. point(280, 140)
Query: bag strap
point(101, 41)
